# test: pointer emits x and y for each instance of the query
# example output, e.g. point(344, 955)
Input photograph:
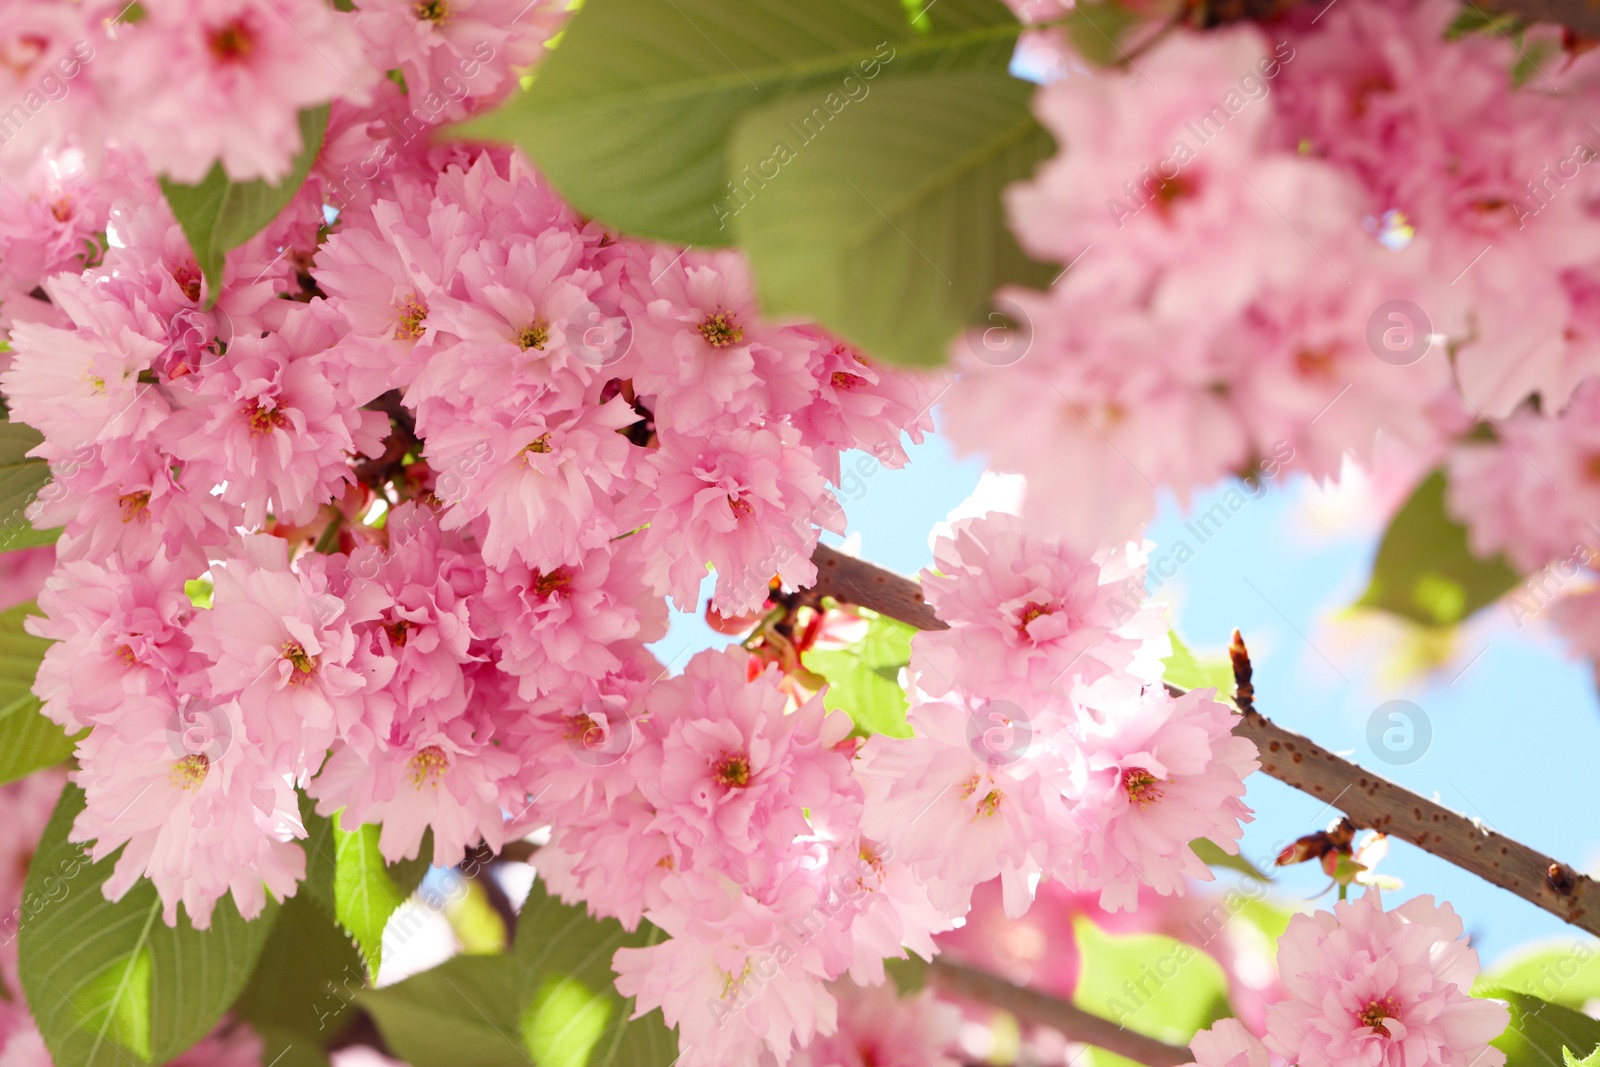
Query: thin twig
point(1041, 1009)
point(1369, 801)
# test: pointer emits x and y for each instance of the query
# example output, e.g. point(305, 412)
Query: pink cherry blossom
point(1154, 773)
point(1023, 613)
point(247, 72)
point(199, 814)
point(1531, 492)
point(1376, 988)
point(282, 641)
point(750, 504)
point(1228, 1044)
point(118, 631)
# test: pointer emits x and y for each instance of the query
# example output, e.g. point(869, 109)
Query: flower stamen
point(1032, 610)
point(428, 766)
point(732, 771)
point(1143, 787)
point(413, 313)
point(1376, 1012)
point(189, 772)
point(721, 330)
point(305, 664)
point(534, 335)
point(263, 420)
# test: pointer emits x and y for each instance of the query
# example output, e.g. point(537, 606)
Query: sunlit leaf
point(1424, 570)
point(630, 118)
point(109, 983)
point(28, 740)
point(864, 678)
point(220, 214)
point(1541, 1032)
point(1149, 983)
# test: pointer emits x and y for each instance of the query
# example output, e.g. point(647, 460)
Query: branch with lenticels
point(1370, 802)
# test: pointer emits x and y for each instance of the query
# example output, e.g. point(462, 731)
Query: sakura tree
point(384, 379)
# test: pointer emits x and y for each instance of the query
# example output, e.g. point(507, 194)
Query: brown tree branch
point(855, 581)
point(1369, 801)
point(1040, 1009)
point(1580, 15)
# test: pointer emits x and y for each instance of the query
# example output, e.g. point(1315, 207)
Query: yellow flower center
point(134, 505)
point(190, 771)
point(428, 766)
point(1143, 787)
point(1376, 1012)
point(534, 335)
point(304, 664)
point(721, 330)
point(733, 771)
point(264, 420)
point(413, 313)
point(1031, 611)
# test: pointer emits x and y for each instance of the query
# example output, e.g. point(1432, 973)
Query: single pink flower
point(1375, 988)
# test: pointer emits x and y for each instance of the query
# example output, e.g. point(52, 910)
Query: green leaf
point(322, 855)
point(1475, 19)
point(887, 226)
point(1591, 1060)
point(28, 740)
point(631, 116)
point(864, 678)
point(1425, 572)
point(364, 892)
point(323, 874)
point(307, 978)
point(1531, 58)
point(110, 983)
point(21, 479)
point(462, 1013)
point(408, 874)
point(477, 926)
point(220, 214)
point(1212, 856)
point(1155, 985)
point(1187, 671)
point(572, 1014)
point(1563, 972)
point(1540, 1032)
point(908, 975)
point(1096, 29)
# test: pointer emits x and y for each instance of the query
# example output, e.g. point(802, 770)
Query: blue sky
point(1514, 724)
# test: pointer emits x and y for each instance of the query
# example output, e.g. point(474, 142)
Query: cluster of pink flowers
point(1293, 241)
point(779, 852)
point(392, 511)
point(189, 84)
point(1045, 743)
point(508, 434)
point(1367, 987)
point(1530, 493)
point(413, 485)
